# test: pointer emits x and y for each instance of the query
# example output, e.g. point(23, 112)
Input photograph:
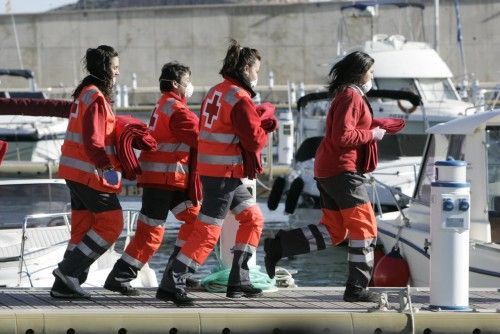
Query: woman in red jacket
point(167, 176)
point(338, 168)
point(230, 127)
point(92, 172)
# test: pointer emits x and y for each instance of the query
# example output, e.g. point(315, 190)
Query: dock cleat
point(72, 287)
point(243, 291)
point(179, 298)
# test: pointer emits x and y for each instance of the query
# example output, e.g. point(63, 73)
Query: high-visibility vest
point(75, 165)
point(169, 164)
point(218, 151)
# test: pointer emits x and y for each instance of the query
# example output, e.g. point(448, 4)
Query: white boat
point(476, 140)
point(31, 138)
point(34, 232)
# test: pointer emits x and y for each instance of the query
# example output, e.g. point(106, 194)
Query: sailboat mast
point(436, 25)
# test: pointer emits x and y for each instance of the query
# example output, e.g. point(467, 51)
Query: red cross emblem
point(211, 109)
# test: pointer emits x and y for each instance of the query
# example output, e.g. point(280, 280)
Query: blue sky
point(32, 6)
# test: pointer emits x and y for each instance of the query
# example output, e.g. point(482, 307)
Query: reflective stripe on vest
point(213, 159)
point(164, 168)
point(170, 148)
point(77, 138)
point(224, 138)
point(78, 164)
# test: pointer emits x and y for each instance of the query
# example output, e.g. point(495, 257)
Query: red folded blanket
point(3, 149)
point(132, 133)
point(391, 125)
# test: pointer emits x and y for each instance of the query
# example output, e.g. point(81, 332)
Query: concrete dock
point(296, 311)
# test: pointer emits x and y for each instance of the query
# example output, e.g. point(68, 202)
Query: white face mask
point(367, 86)
point(253, 83)
point(189, 89)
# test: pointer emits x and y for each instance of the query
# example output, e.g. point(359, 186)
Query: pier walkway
point(297, 311)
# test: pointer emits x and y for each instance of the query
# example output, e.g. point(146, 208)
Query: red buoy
point(378, 254)
point(391, 270)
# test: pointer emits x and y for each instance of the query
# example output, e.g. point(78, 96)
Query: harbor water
point(324, 268)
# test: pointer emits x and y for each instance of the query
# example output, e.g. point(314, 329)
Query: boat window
point(493, 149)
point(20, 200)
point(401, 145)
point(407, 85)
point(435, 90)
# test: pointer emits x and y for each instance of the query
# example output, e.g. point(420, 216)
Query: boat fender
point(406, 110)
point(293, 195)
point(392, 270)
point(378, 254)
point(276, 193)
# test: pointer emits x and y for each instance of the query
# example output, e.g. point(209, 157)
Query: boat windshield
point(20, 200)
point(493, 149)
point(436, 90)
point(437, 148)
point(431, 89)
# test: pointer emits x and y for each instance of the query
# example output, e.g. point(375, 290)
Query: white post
point(118, 97)
point(285, 138)
point(450, 226)
point(125, 96)
point(134, 81)
point(302, 89)
point(271, 79)
point(229, 229)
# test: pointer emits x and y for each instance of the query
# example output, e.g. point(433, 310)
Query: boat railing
point(55, 219)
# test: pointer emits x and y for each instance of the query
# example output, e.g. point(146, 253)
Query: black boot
point(238, 284)
point(191, 283)
point(60, 290)
point(173, 284)
point(358, 294)
point(290, 243)
point(272, 248)
point(120, 277)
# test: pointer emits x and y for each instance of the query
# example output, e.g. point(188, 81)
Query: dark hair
point(349, 70)
point(172, 71)
point(236, 59)
point(97, 62)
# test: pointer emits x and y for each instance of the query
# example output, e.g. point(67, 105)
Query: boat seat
point(308, 148)
point(39, 240)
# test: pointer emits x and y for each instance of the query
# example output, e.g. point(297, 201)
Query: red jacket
point(347, 132)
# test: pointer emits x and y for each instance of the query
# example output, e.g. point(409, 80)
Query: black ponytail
point(236, 59)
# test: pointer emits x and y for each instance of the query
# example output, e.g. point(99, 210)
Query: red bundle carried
point(132, 133)
point(391, 125)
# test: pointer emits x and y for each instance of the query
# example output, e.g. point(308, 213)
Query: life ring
point(406, 110)
point(293, 195)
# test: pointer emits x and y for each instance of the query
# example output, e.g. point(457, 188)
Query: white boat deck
point(298, 310)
